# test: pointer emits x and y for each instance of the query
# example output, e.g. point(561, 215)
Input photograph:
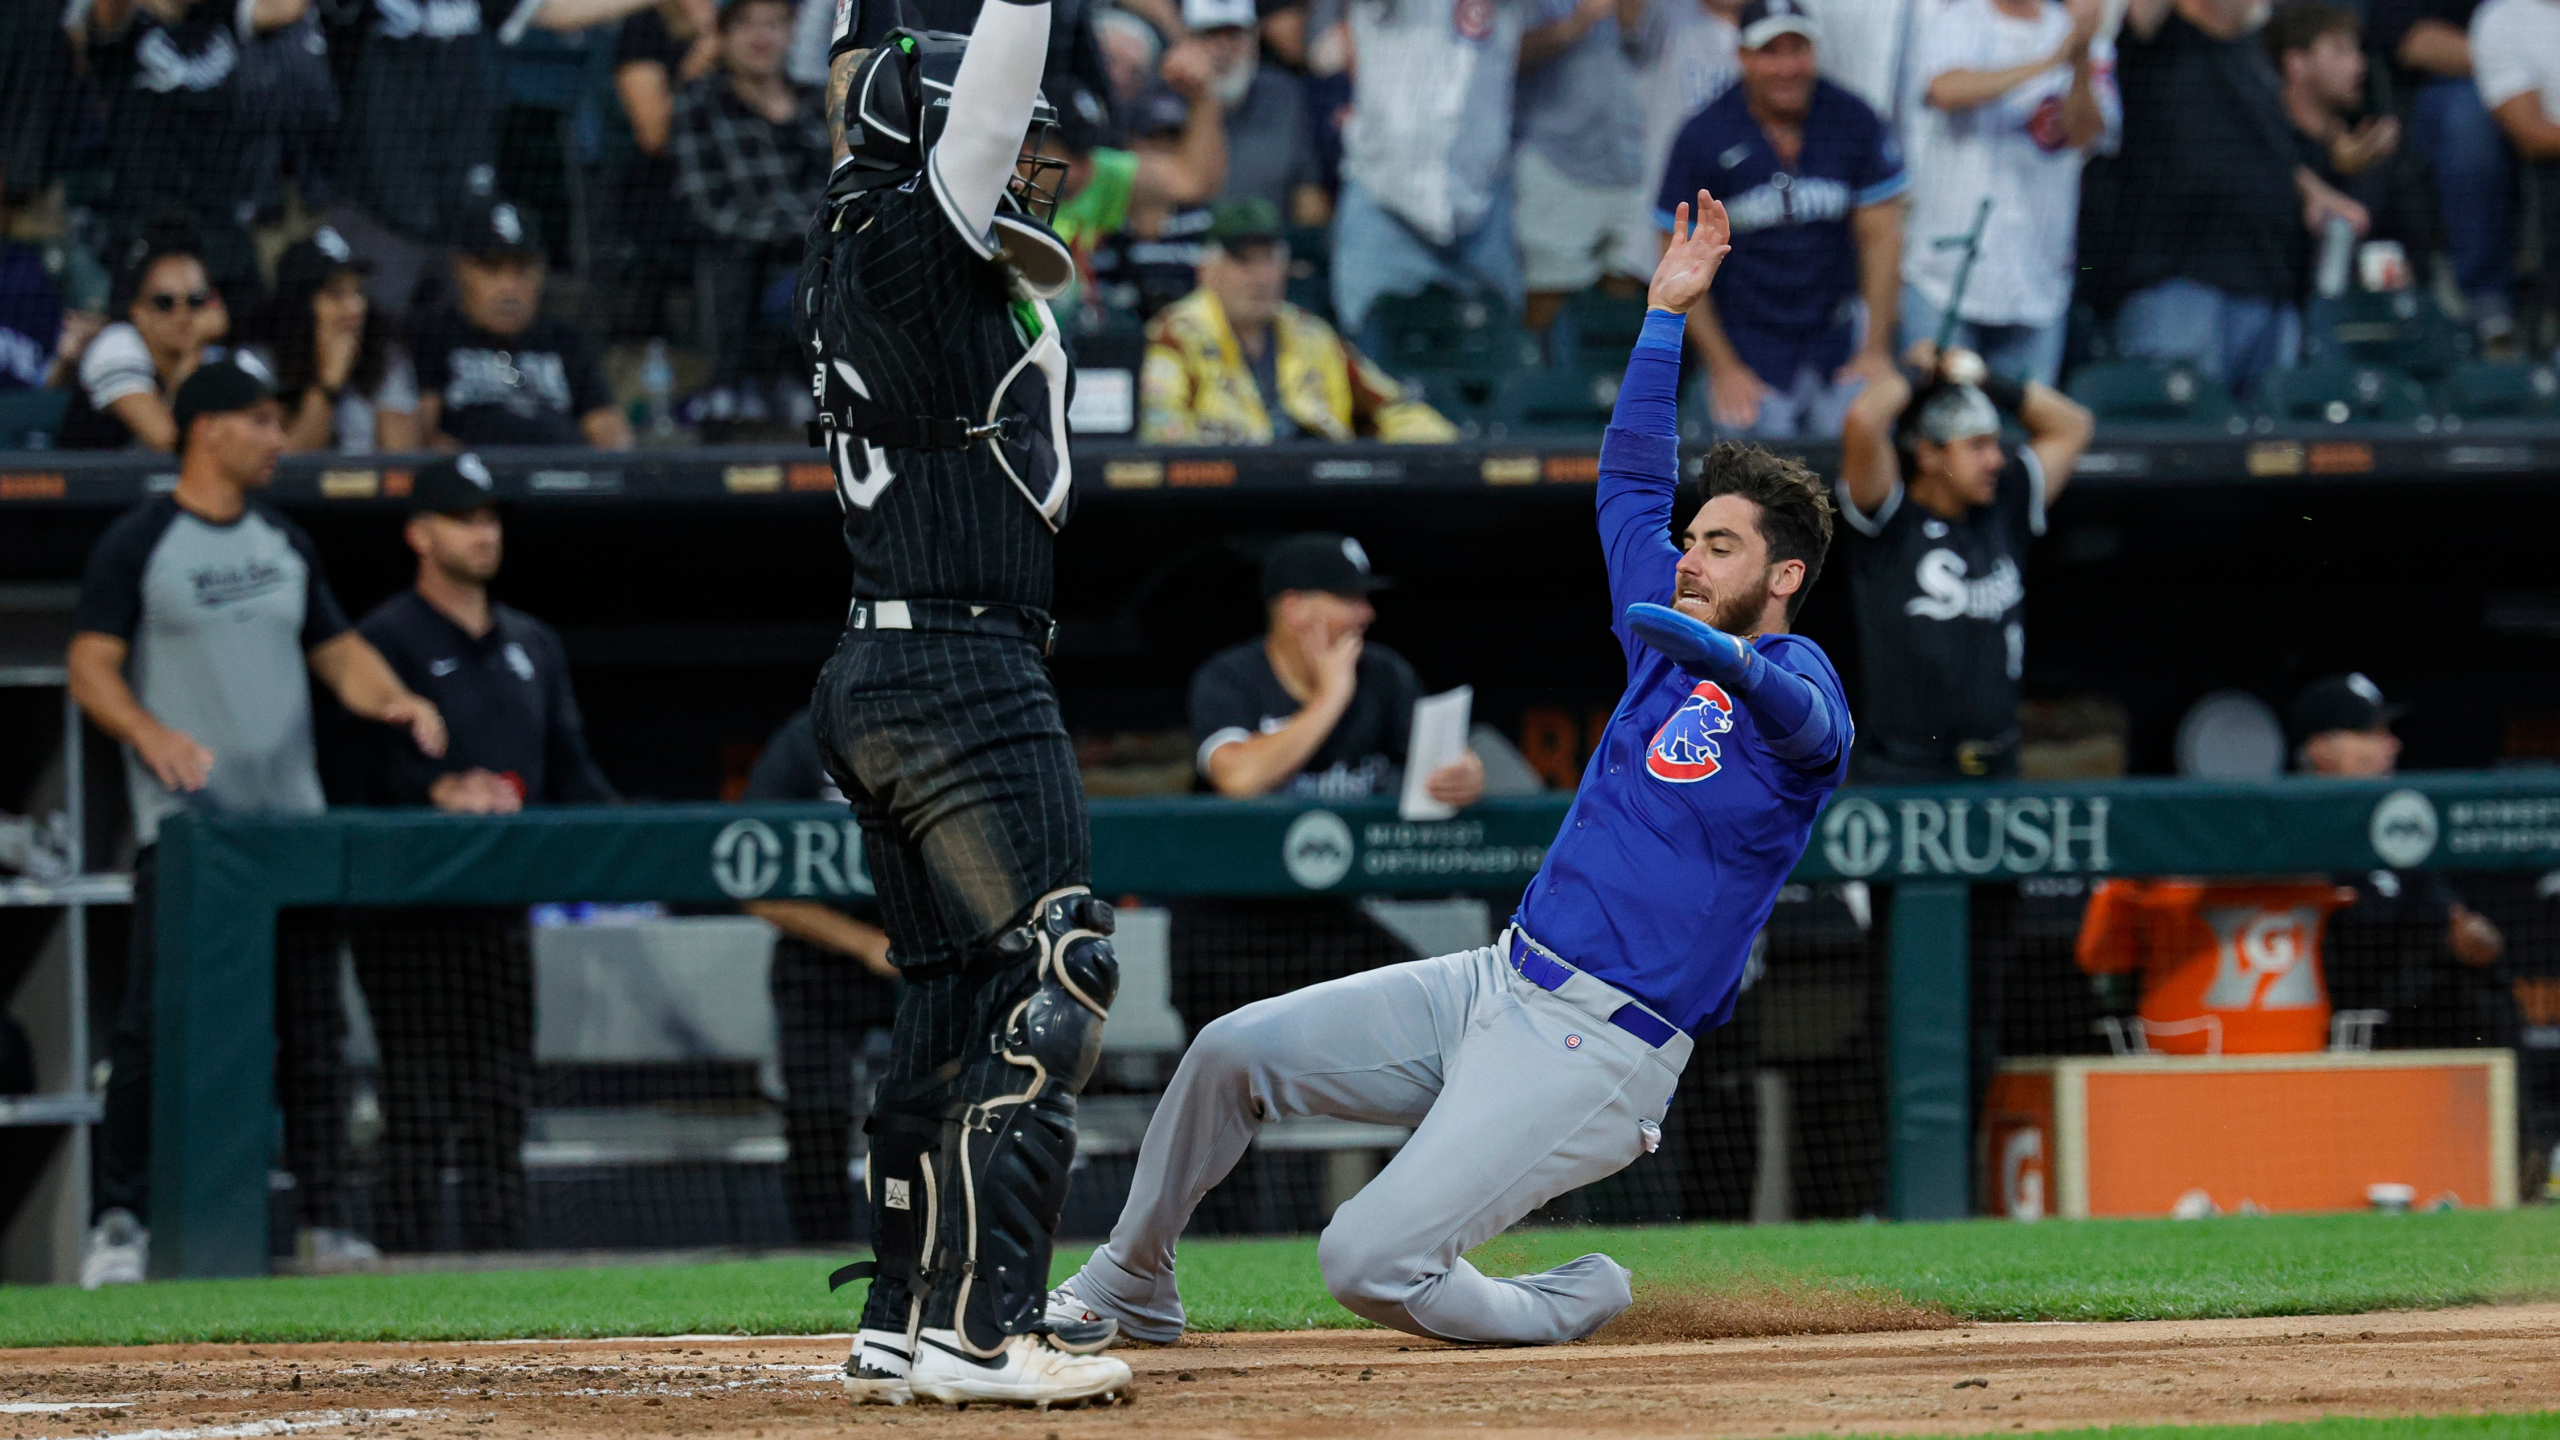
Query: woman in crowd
point(345, 386)
point(128, 372)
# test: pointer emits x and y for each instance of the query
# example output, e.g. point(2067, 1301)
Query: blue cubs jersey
point(1686, 825)
point(1785, 295)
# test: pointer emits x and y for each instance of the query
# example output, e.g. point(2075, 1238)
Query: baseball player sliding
point(1547, 1060)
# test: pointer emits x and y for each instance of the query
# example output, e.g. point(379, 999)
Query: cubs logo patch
point(1573, 1042)
point(1684, 750)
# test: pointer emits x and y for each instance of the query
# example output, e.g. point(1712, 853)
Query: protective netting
point(615, 1078)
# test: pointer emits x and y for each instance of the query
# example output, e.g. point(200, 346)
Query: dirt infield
point(1980, 1378)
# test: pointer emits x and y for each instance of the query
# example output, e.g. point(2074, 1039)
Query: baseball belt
point(957, 617)
point(1545, 971)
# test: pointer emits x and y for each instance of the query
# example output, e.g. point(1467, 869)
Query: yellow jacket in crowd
point(1197, 388)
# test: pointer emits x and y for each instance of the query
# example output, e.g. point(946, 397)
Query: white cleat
point(876, 1372)
point(1029, 1370)
point(117, 1252)
point(1076, 1327)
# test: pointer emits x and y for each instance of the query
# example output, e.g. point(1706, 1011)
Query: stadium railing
point(1915, 859)
point(2127, 454)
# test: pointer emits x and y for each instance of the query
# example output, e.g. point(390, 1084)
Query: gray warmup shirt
point(219, 618)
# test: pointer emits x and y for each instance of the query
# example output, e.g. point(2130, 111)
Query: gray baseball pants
point(1516, 1095)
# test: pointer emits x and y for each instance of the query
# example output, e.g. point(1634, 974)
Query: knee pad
point(1017, 1128)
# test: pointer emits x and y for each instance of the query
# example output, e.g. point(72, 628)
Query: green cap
point(1243, 222)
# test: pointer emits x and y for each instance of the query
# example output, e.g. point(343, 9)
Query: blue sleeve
point(1639, 468)
point(1880, 173)
point(1803, 718)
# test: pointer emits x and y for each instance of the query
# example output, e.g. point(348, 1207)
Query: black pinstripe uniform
point(946, 736)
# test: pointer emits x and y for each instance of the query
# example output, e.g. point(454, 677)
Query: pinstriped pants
point(958, 767)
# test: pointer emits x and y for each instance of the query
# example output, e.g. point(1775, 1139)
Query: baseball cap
point(496, 227)
point(1762, 21)
point(1217, 14)
point(2340, 702)
point(1157, 111)
point(1318, 560)
point(308, 265)
point(452, 485)
point(1958, 412)
point(218, 387)
point(1248, 221)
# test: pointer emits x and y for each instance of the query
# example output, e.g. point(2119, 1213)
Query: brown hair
point(2300, 24)
point(1795, 509)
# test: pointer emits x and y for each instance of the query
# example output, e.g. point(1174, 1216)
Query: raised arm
point(990, 110)
point(1640, 455)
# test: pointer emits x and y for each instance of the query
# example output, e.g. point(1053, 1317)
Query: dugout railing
point(1920, 853)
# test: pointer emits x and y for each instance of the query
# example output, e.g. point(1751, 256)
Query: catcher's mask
point(901, 98)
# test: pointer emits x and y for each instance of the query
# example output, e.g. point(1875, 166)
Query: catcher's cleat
point(1029, 1370)
point(876, 1372)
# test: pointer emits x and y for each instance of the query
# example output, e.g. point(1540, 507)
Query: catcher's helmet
point(900, 100)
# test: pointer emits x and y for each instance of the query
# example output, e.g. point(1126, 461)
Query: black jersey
point(1940, 629)
point(907, 324)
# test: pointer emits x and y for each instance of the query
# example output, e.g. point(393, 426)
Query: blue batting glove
point(1697, 647)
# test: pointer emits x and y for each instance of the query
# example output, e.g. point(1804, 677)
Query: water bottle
point(2337, 254)
point(657, 389)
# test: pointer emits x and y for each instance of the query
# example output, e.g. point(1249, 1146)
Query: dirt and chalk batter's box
point(2162, 1134)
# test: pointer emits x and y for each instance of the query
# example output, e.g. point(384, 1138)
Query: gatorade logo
point(1684, 750)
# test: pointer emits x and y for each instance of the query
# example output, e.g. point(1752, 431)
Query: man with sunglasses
point(940, 380)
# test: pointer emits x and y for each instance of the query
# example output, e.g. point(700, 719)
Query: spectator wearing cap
point(1942, 512)
point(494, 370)
point(203, 621)
point(2216, 203)
point(346, 386)
point(1134, 216)
point(1585, 212)
point(130, 370)
point(1426, 196)
point(752, 156)
point(2015, 96)
point(1271, 147)
point(418, 150)
point(1803, 311)
point(451, 988)
point(2407, 945)
point(1310, 708)
point(1235, 364)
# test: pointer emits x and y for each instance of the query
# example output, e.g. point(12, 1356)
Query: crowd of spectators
point(312, 186)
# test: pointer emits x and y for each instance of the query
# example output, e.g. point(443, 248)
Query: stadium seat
point(2402, 329)
point(2337, 393)
point(1444, 332)
point(1595, 328)
point(2138, 391)
point(1311, 270)
point(1574, 399)
point(29, 418)
point(2514, 390)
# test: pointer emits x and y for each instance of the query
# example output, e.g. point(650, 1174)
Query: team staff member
point(2406, 945)
point(203, 619)
point(1311, 708)
point(451, 987)
point(494, 370)
point(832, 987)
point(1944, 515)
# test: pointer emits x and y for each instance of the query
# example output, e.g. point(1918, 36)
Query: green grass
point(2540, 1425)
point(1980, 1270)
